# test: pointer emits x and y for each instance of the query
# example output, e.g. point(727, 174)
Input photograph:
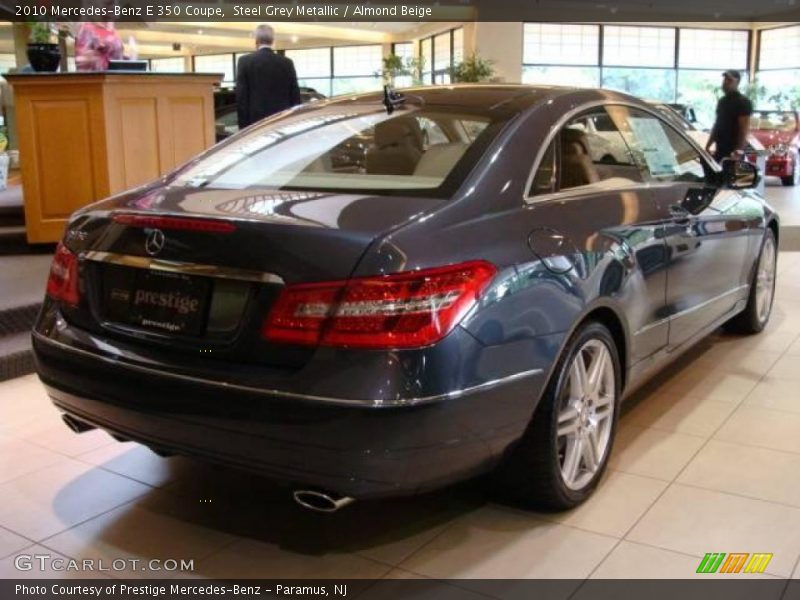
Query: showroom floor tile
point(494, 542)
point(707, 459)
point(696, 521)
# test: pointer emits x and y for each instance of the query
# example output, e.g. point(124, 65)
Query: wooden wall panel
point(70, 182)
point(139, 141)
point(187, 116)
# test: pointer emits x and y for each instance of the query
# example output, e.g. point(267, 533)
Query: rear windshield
point(359, 148)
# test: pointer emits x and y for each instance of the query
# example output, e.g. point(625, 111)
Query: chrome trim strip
point(686, 311)
point(173, 266)
point(563, 119)
point(579, 192)
point(367, 403)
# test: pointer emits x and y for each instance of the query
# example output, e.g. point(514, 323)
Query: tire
point(535, 474)
point(755, 315)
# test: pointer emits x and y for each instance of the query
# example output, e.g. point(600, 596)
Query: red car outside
point(779, 132)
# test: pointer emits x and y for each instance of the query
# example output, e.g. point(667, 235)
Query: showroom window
point(356, 69)
point(339, 70)
point(442, 57)
point(563, 54)
point(215, 63)
point(404, 51)
point(313, 67)
point(426, 53)
point(175, 64)
point(653, 62)
point(779, 67)
point(439, 53)
point(702, 55)
point(640, 61)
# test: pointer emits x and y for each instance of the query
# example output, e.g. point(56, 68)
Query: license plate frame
point(157, 301)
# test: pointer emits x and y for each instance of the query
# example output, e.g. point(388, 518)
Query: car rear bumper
point(780, 166)
point(359, 451)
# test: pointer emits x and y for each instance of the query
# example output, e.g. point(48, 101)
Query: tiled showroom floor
point(707, 460)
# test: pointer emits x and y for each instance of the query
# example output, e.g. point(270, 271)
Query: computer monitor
point(127, 65)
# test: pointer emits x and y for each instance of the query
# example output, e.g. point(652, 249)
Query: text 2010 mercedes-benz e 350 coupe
point(477, 290)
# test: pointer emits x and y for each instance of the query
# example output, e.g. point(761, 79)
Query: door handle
point(680, 215)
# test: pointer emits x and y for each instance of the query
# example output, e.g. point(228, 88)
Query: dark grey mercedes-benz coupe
point(475, 292)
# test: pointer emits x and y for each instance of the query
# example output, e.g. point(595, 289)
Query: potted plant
point(395, 67)
point(43, 54)
point(472, 69)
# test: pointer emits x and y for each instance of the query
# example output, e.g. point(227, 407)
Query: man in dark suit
point(266, 82)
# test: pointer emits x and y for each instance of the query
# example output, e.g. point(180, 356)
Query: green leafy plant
point(395, 66)
point(785, 99)
point(40, 32)
point(755, 92)
point(472, 69)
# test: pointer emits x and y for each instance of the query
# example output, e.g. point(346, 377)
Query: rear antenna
point(392, 99)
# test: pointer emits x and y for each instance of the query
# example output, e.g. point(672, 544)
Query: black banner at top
point(385, 10)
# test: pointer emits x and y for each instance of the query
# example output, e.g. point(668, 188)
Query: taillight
point(62, 284)
point(175, 223)
point(405, 310)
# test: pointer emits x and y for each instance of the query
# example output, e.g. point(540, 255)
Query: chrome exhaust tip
point(76, 425)
point(321, 501)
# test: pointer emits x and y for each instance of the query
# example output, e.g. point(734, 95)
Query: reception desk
point(85, 136)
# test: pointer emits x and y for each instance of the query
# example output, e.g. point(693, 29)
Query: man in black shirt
point(733, 119)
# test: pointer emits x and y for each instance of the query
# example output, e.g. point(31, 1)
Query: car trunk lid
point(197, 270)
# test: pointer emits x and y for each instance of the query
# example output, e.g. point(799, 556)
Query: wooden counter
point(85, 136)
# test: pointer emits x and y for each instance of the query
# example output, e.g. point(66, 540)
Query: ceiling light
point(294, 39)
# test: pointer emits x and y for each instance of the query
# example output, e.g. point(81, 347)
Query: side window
point(588, 150)
point(660, 151)
point(594, 152)
point(544, 182)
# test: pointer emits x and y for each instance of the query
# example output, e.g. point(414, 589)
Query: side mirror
point(739, 174)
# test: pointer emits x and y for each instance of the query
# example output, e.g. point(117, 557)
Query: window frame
point(429, 73)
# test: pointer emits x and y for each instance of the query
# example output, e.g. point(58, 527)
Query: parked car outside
point(779, 131)
point(477, 295)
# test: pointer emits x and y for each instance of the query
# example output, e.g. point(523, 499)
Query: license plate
point(159, 301)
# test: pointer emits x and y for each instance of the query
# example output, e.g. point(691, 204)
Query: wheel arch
point(602, 311)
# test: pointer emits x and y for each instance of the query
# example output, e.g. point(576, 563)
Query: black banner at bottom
point(391, 589)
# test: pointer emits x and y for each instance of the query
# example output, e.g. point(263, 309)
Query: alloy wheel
point(586, 414)
point(765, 279)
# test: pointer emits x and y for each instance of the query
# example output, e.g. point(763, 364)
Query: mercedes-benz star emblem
point(154, 243)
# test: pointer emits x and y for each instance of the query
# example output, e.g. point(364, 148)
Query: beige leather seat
point(397, 148)
point(439, 160)
point(577, 168)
